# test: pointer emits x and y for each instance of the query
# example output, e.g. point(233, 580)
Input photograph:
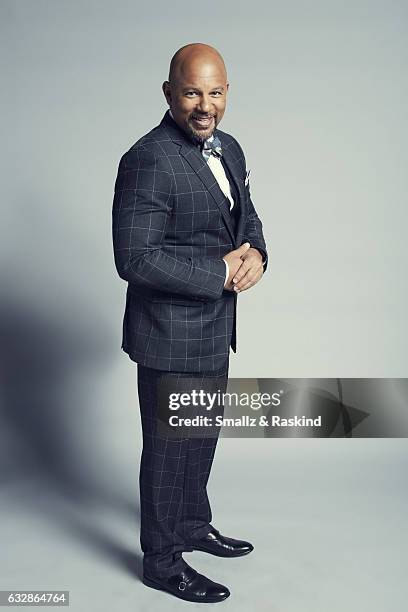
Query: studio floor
point(327, 519)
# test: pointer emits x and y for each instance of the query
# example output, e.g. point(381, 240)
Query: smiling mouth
point(202, 121)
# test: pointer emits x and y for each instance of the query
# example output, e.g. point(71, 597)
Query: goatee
point(197, 137)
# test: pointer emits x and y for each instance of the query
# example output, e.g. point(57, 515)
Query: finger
point(248, 278)
point(243, 249)
point(250, 258)
point(247, 286)
point(251, 274)
point(244, 288)
point(247, 254)
point(244, 278)
point(240, 273)
point(250, 283)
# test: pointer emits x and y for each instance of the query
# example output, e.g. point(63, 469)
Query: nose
point(204, 105)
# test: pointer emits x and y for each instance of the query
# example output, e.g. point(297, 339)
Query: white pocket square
point(247, 177)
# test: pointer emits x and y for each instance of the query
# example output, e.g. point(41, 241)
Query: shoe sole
point(216, 554)
point(155, 585)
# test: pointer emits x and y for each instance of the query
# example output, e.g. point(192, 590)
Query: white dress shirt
point(218, 171)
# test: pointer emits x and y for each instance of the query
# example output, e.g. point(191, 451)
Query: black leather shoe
point(221, 546)
point(189, 585)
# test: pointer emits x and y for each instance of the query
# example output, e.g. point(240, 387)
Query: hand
point(234, 261)
point(250, 272)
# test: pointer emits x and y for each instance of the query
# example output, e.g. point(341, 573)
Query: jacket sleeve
point(253, 231)
point(253, 227)
point(142, 205)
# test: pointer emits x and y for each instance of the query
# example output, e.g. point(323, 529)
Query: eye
point(190, 93)
point(219, 93)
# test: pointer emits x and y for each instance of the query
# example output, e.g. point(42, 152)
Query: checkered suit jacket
point(171, 228)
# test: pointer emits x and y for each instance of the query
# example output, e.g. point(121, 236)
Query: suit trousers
point(174, 471)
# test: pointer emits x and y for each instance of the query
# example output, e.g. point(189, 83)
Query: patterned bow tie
point(212, 148)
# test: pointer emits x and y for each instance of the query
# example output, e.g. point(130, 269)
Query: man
point(187, 239)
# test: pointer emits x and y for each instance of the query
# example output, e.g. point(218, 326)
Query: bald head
point(197, 89)
point(193, 56)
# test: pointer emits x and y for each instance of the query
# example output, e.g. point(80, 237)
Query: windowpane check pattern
point(174, 504)
point(172, 224)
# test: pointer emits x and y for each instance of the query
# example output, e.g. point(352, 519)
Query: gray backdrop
point(318, 101)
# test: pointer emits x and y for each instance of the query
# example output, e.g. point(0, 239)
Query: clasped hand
point(245, 268)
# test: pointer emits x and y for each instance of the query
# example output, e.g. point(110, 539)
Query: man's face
point(197, 98)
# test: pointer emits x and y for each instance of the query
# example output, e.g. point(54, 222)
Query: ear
point(167, 91)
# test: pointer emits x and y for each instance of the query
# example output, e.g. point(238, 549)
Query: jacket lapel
point(197, 162)
point(234, 170)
